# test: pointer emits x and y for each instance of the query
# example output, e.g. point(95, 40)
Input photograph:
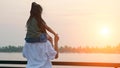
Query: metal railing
point(61, 63)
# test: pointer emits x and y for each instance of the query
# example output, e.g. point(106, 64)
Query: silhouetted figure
point(38, 48)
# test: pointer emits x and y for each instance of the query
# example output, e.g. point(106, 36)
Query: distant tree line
point(11, 48)
point(87, 49)
point(68, 49)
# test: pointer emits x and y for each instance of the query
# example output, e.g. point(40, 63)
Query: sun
point(105, 31)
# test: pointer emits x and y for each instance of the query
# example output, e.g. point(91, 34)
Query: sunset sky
point(78, 22)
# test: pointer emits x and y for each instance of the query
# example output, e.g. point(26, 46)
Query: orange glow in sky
point(77, 22)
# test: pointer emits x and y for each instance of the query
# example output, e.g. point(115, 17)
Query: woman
point(38, 50)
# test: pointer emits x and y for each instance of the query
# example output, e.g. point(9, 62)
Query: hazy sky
point(78, 22)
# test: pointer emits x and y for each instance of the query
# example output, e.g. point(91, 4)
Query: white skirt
point(38, 55)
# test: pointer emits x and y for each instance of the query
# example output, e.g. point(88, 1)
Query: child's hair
point(36, 9)
point(36, 12)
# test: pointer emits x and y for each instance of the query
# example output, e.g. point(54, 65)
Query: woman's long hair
point(36, 12)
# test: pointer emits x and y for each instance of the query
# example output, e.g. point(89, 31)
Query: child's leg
point(56, 46)
point(50, 39)
point(56, 38)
